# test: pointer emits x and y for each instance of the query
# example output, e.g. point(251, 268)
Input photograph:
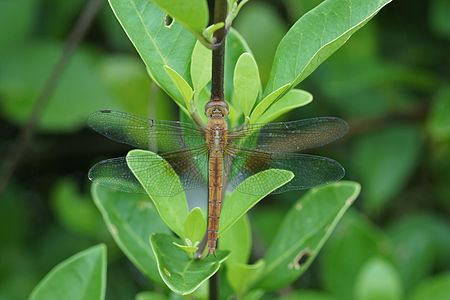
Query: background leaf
point(195, 225)
point(435, 288)
point(64, 281)
point(378, 280)
point(237, 240)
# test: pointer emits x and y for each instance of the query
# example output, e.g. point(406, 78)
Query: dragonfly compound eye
point(216, 108)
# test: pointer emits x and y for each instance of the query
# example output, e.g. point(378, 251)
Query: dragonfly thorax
point(216, 109)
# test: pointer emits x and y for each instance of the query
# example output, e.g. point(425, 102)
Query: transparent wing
point(289, 136)
point(309, 170)
point(190, 166)
point(148, 134)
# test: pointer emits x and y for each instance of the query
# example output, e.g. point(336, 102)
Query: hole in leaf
point(300, 260)
point(168, 21)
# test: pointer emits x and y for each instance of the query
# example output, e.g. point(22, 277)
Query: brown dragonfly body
point(216, 137)
point(215, 157)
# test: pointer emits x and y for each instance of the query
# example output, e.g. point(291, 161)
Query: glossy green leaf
point(80, 277)
point(192, 14)
point(354, 243)
point(246, 83)
point(383, 161)
point(439, 119)
point(238, 203)
point(183, 87)
point(291, 100)
point(266, 102)
point(303, 232)
point(131, 219)
point(241, 276)
point(378, 280)
point(435, 288)
point(79, 89)
point(237, 240)
point(144, 23)
point(181, 273)
point(200, 67)
point(195, 225)
point(317, 35)
point(173, 210)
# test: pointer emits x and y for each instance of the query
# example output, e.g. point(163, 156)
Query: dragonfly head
point(216, 109)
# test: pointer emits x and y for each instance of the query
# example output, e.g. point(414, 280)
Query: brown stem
point(18, 148)
point(218, 53)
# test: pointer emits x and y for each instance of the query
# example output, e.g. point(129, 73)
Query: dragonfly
point(215, 158)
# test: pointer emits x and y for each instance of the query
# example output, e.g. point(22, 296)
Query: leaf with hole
point(303, 232)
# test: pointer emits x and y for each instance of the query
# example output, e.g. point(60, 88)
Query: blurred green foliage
point(390, 81)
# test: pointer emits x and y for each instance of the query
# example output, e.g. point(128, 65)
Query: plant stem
point(218, 53)
point(217, 93)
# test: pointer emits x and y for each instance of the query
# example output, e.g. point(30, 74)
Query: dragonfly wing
point(188, 165)
point(115, 174)
point(289, 136)
point(309, 170)
point(148, 134)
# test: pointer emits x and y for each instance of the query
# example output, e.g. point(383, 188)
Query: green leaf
point(237, 240)
point(303, 232)
point(241, 276)
point(131, 219)
point(265, 103)
point(173, 210)
point(192, 14)
point(378, 280)
point(435, 288)
point(183, 87)
point(317, 35)
point(246, 83)
point(291, 100)
point(181, 273)
point(80, 277)
point(195, 225)
point(234, 48)
point(354, 242)
point(144, 23)
point(384, 161)
point(439, 119)
point(200, 67)
point(238, 203)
